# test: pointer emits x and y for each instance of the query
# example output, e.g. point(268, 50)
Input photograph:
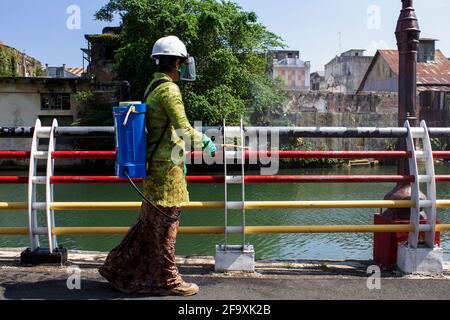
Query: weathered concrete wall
point(337, 102)
point(334, 119)
point(340, 110)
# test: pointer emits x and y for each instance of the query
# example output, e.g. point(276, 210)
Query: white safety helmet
point(169, 46)
point(174, 47)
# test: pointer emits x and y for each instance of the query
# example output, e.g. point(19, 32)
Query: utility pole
point(408, 35)
point(340, 43)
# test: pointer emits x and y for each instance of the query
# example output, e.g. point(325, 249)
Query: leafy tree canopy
point(229, 44)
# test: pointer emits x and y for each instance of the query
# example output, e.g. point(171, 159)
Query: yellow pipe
point(329, 204)
point(13, 231)
point(443, 203)
point(201, 230)
point(82, 206)
point(329, 229)
point(13, 205)
point(443, 227)
point(124, 205)
point(117, 206)
point(248, 205)
point(59, 231)
point(248, 230)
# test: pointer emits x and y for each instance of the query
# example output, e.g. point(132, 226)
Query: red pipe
point(15, 155)
point(329, 179)
point(248, 179)
point(280, 154)
point(442, 178)
point(115, 179)
point(84, 154)
point(441, 154)
point(13, 180)
point(330, 154)
point(256, 154)
point(248, 154)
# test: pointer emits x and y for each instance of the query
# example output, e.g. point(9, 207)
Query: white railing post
point(428, 258)
point(50, 214)
point(32, 213)
point(243, 182)
point(225, 170)
point(234, 257)
point(430, 180)
point(413, 238)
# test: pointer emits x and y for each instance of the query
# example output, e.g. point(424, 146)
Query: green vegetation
point(11, 58)
point(107, 38)
point(40, 72)
point(8, 62)
point(438, 144)
point(229, 45)
point(302, 144)
point(94, 113)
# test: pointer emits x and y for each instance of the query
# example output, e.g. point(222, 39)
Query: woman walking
point(144, 262)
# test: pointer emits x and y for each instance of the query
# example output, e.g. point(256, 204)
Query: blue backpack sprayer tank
point(131, 143)
point(131, 153)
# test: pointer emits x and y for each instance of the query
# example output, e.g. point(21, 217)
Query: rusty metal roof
point(428, 73)
point(421, 88)
point(77, 71)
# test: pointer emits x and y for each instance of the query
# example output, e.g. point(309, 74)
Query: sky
point(52, 31)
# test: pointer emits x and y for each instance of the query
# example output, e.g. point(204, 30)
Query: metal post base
point(235, 258)
point(420, 260)
point(43, 256)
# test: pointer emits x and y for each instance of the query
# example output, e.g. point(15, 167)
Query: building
point(29, 92)
point(65, 72)
point(283, 54)
point(293, 72)
point(14, 63)
point(100, 58)
point(344, 73)
point(100, 54)
point(318, 81)
point(433, 80)
point(25, 99)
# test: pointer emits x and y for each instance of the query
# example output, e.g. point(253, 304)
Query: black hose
point(146, 200)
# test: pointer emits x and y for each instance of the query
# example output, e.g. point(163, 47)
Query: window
point(55, 101)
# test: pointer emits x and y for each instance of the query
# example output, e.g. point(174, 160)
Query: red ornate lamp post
point(408, 35)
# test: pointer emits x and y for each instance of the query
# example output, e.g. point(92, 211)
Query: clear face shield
point(187, 70)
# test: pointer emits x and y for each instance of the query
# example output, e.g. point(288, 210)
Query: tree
point(229, 45)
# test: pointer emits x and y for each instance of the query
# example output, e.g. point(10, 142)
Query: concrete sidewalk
point(289, 280)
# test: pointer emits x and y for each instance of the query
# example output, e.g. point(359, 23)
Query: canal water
point(267, 246)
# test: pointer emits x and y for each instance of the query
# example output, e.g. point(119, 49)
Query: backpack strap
point(152, 88)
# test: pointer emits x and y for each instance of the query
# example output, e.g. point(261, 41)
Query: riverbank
point(273, 280)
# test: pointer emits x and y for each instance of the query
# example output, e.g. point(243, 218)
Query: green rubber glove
point(209, 146)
